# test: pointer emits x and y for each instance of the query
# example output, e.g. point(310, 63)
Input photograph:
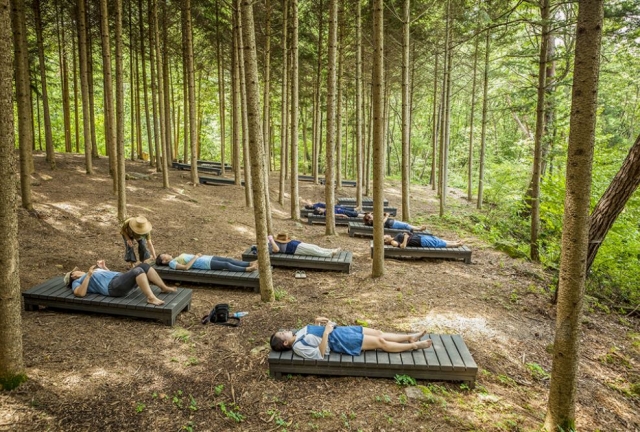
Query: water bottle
point(239, 314)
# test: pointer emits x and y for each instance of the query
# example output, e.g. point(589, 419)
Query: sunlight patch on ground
point(279, 212)
point(472, 326)
point(244, 230)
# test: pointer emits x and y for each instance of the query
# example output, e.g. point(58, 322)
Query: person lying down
point(405, 239)
point(205, 262)
point(323, 337)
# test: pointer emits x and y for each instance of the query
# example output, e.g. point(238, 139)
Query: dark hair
point(159, 261)
point(277, 344)
point(309, 206)
point(368, 219)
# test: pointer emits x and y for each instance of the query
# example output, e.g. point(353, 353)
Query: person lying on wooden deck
point(103, 281)
point(392, 223)
point(340, 212)
point(205, 262)
point(403, 240)
point(285, 245)
point(323, 337)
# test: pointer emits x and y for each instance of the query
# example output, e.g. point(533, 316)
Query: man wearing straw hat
point(137, 229)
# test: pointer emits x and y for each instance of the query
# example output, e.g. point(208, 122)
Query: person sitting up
point(283, 244)
point(402, 240)
point(205, 262)
point(103, 281)
point(322, 338)
point(392, 223)
point(137, 229)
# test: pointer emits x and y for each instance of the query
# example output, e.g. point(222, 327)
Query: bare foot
point(417, 336)
point(454, 244)
point(423, 344)
point(155, 301)
point(336, 251)
point(252, 267)
point(423, 228)
point(168, 289)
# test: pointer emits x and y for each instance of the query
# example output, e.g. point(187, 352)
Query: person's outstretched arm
point(151, 248)
point(81, 290)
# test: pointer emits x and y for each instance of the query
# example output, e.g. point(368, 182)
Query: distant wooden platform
point(218, 181)
point(351, 183)
point(340, 262)
point(54, 293)
point(305, 178)
point(214, 277)
point(392, 211)
point(448, 359)
point(202, 168)
point(365, 209)
point(215, 164)
point(360, 229)
point(365, 201)
point(462, 252)
point(322, 219)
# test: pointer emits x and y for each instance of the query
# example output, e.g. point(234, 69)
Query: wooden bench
point(305, 178)
point(365, 202)
point(218, 181)
point(360, 229)
point(462, 252)
point(365, 209)
point(54, 293)
point(215, 277)
point(215, 164)
point(322, 219)
point(448, 359)
point(204, 168)
point(340, 262)
point(391, 211)
point(352, 183)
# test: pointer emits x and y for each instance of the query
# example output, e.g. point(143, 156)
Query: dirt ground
point(98, 372)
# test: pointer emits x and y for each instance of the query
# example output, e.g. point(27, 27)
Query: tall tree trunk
point(185, 88)
point(284, 113)
point(144, 84)
point(338, 134)
point(369, 143)
point(435, 122)
point(446, 114)
point(245, 119)
point(166, 82)
point(266, 93)
point(472, 118)
point(539, 135)
point(483, 133)
point(406, 113)
point(92, 110)
point(192, 95)
point(84, 84)
point(161, 155)
point(23, 91)
point(64, 81)
point(236, 110)
point(359, 107)
point(12, 370)
point(135, 53)
point(317, 99)
point(132, 98)
point(120, 168)
point(109, 114)
point(76, 117)
point(329, 174)
point(377, 126)
point(256, 146)
point(295, 193)
point(561, 413)
point(221, 94)
point(48, 135)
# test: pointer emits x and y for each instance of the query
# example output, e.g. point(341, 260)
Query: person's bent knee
point(144, 267)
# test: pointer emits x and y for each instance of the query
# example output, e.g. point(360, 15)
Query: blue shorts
point(346, 340)
point(432, 241)
point(400, 225)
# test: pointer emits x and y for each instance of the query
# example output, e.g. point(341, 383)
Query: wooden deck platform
point(366, 201)
point(391, 210)
point(214, 277)
point(218, 181)
point(360, 229)
point(462, 252)
point(448, 359)
point(341, 262)
point(53, 293)
point(305, 178)
point(227, 166)
point(201, 168)
point(350, 183)
point(322, 219)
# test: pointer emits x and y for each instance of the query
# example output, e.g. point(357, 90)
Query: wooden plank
point(441, 352)
point(465, 355)
point(214, 277)
point(462, 252)
point(218, 181)
point(452, 351)
point(340, 262)
point(360, 229)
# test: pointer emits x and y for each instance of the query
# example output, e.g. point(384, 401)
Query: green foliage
point(405, 380)
point(217, 390)
point(537, 371)
point(12, 381)
point(232, 412)
point(321, 414)
point(140, 407)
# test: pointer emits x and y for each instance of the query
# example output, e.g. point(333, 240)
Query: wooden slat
point(218, 181)
point(359, 228)
point(462, 252)
point(340, 262)
point(215, 277)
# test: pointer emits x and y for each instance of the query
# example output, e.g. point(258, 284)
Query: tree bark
point(329, 174)
point(92, 111)
point(284, 113)
point(406, 113)
point(435, 123)
point(166, 80)
point(161, 155)
point(338, 103)
point(446, 114)
point(109, 115)
point(12, 370)
point(144, 85)
point(64, 81)
point(317, 118)
point(483, 133)
point(561, 413)
point(266, 92)
point(23, 91)
point(377, 126)
point(256, 145)
point(193, 133)
point(359, 107)
point(120, 167)
point(245, 119)
point(295, 193)
point(539, 135)
point(472, 118)
point(48, 135)
point(235, 101)
point(221, 94)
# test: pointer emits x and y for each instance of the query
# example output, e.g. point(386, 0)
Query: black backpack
point(220, 315)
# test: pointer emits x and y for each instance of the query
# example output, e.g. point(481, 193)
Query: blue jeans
point(401, 225)
point(230, 264)
point(130, 255)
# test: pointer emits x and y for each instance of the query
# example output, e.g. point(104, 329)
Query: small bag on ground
point(220, 315)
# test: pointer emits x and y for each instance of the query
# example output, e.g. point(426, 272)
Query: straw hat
point(67, 276)
point(283, 238)
point(140, 225)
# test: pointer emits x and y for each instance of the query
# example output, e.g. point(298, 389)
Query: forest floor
point(98, 372)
